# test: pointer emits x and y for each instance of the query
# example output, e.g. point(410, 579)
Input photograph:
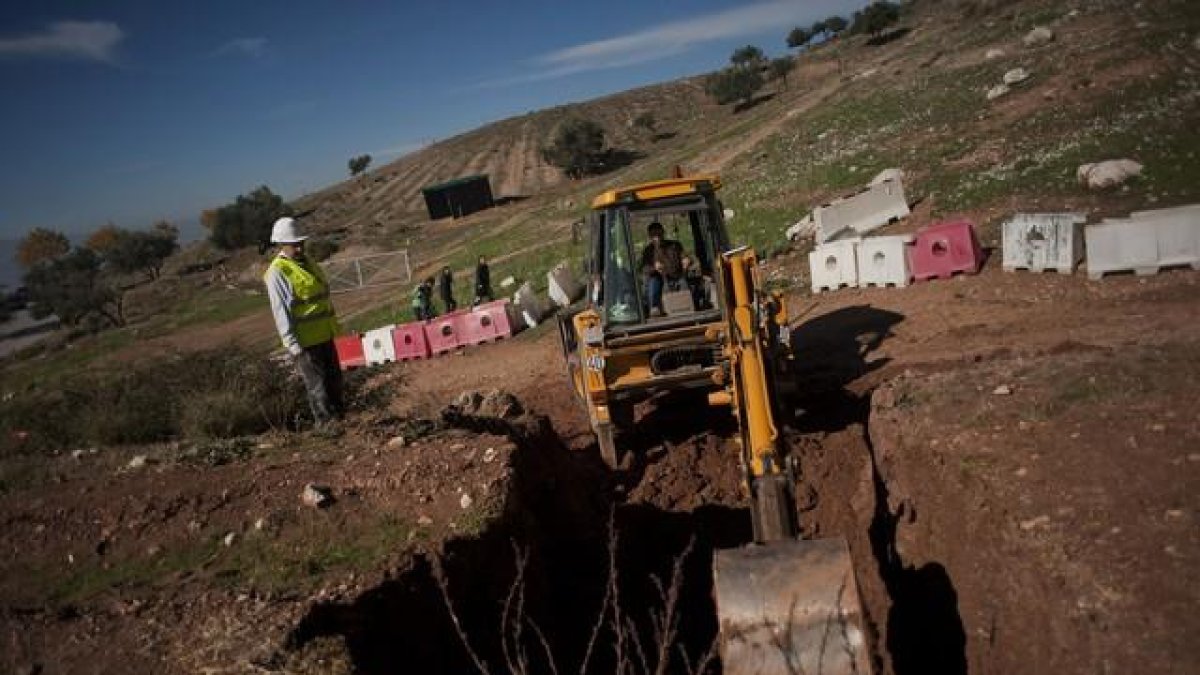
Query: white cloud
point(88, 40)
point(671, 39)
point(254, 47)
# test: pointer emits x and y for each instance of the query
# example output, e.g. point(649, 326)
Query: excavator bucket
point(789, 607)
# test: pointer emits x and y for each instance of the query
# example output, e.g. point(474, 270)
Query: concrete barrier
point(564, 288)
point(861, 213)
point(484, 323)
point(350, 353)
point(834, 265)
point(942, 250)
point(409, 341)
point(442, 333)
point(883, 261)
point(1145, 242)
point(533, 309)
point(378, 346)
point(1043, 241)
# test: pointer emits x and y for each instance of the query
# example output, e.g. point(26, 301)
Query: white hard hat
point(284, 231)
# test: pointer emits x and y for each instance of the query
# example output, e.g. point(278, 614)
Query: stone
point(465, 501)
point(260, 524)
point(993, 53)
point(1038, 36)
point(508, 282)
point(1107, 174)
point(1002, 390)
point(316, 496)
point(137, 462)
point(424, 520)
point(1033, 523)
point(997, 91)
point(396, 442)
point(489, 455)
point(1016, 75)
point(229, 538)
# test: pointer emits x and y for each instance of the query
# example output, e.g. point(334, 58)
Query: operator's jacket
point(669, 253)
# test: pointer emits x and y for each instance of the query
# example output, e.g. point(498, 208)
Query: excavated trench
point(557, 517)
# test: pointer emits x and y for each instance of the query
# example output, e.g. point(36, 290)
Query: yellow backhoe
point(688, 312)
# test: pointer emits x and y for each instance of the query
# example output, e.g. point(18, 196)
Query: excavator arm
point(785, 605)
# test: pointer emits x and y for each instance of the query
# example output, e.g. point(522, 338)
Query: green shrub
point(209, 395)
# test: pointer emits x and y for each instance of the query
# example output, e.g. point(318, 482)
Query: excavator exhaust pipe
point(789, 607)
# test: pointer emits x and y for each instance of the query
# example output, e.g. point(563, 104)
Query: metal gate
point(369, 271)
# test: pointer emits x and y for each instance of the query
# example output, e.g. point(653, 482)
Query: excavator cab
point(672, 305)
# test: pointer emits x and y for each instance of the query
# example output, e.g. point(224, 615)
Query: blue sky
point(138, 110)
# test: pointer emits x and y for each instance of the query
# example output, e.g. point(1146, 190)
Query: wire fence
point(369, 271)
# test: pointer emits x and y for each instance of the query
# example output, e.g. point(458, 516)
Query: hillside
point(1010, 457)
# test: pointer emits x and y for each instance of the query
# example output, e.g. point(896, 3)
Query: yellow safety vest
point(311, 310)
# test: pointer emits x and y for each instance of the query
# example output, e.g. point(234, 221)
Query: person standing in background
point(483, 282)
point(446, 289)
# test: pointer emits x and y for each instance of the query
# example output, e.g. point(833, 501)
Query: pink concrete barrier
point(410, 342)
point(484, 323)
point(942, 250)
point(442, 333)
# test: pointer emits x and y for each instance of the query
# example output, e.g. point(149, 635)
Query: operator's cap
point(286, 231)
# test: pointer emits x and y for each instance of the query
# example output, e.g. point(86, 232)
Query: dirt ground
point(1012, 458)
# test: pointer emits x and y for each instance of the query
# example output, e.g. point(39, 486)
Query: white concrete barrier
point(834, 265)
point(564, 288)
point(378, 346)
point(1178, 233)
point(1145, 242)
point(859, 214)
point(1043, 241)
point(532, 308)
point(883, 261)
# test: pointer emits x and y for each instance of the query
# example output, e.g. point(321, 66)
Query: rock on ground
point(316, 496)
point(997, 91)
point(1016, 75)
point(495, 403)
point(1109, 173)
point(1038, 36)
point(993, 53)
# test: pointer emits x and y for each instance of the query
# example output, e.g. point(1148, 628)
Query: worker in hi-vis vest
point(306, 321)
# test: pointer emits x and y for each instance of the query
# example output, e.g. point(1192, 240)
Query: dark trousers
point(483, 294)
point(318, 367)
point(448, 301)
